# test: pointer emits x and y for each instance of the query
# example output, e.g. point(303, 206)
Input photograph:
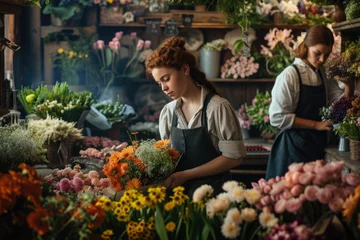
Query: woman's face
point(318, 54)
point(172, 82)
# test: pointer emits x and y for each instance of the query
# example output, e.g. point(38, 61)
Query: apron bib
point(300, 145)
point(196, 148)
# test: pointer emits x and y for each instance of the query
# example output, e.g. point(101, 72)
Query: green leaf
point(160, 224)
point(239, 45)
point(108, 57)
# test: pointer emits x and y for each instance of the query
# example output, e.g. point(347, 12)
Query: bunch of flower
point(351, 212)
point(245, 120)
point(306, 187)
point(66, 9)
point(17, 146)
point(239, 67)
point(216, 45)
point(111, 3)
point(59, 102)
point(98, 142)
point(279, 50)
point(93, 153)
point(112, 64)
point(140, 164)
point(73, 182)
point(53, 130)
point(259, 112)
point(70, 63)
point(350, 126)
point(336, 112)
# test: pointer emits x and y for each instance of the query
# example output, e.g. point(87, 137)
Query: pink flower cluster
point(69, 180)
point(245, 120)
point(313, 181)
point(239, 67)
point(93, 153)
point(98, 142)
point(289, 232)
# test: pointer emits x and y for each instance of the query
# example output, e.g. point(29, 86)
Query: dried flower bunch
point(336, 112)
point(140, 164)
point(53, 130)
point(17, 145)
point(239, 67)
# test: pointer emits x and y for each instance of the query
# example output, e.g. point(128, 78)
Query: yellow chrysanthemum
point(162, 144)
point(179, 198)
point(169, 206)
point(125, 209)
point(137, 205)
point(170, 226)
point(104, 203)
point(157, 197)
point(108, 232)
point(151, 226)
point(60, 50)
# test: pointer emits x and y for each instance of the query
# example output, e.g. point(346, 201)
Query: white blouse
point(223, 124)
point(285, 93)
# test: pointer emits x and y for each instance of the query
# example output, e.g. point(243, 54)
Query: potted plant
point(210, 57)
point(63, 10)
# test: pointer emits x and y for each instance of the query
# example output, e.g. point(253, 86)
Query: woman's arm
point(217, 165)
point(311, 124)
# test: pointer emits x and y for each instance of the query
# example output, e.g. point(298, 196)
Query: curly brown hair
point(318, 34)
point(172, 54)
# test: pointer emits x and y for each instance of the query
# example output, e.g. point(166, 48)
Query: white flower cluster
point(215, 45)
point(239, 67)
point(53, 130)
point(288, 8)
point(263, 8)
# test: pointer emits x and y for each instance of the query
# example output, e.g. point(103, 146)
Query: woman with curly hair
point(201, 124)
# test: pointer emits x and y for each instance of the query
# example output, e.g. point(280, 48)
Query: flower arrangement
point(216, 45)
point(70, 63)
point(60, 102)
point(138, 165)
point(74, 182)
point(65, 9)
point(279, 50)
point(53, 130)
point(336, 112)
point(245, 120)
point(350, 127)
point(259, 112)
point(111, 61)
point(18, 145)
point(239, 66)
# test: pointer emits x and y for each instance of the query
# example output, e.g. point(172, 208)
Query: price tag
point(153, 26)
point(171, 28)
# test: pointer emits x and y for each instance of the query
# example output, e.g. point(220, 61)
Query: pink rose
point(335, 204)
point(119, 35)
point(280, 206)
point(287, 194)
point(93, 174)
point(297, 190)
point(352, 179)
point(324, 195)
point(265, 201)
point(72, 174)
point(306, 178)
point(293, 205)
point(278, 188)
point(309, 167)
point(295, 177)
point(311, 192)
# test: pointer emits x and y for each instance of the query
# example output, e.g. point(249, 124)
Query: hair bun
point(175, 42)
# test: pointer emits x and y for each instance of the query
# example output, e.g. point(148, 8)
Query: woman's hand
point(176, 179)
point(349, 86)
point(323, 126)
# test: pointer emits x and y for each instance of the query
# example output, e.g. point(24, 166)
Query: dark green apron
point(300, 145)
point(196, 148)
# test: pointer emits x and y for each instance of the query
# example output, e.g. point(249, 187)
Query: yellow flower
point(169, 206)
point(80, 56)
point(178, 189)
point(104, 203)
point(137, 205)
point(71, 54)
point(86, 55)
point(349, 206)
point(157, 197)
point(60, 50)
point(107, 233)
point(123, 217)
point(110, 1)
point(146, 201)
point(170, 226)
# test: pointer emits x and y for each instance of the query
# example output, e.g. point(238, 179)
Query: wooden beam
point(10, 7)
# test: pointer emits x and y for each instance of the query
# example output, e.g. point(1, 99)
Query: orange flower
point(38, 221)
point(174, 154)
point(162, 144)
point(349, 207)
point(123, 167)
point(128, 153)
point(139, 164)
point(134, 183)
point(115, 157)
point(99, 214)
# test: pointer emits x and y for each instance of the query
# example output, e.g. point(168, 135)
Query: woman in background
point(297, 96)
point(201, 125)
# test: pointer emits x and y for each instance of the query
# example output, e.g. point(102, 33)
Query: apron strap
point(300, 83)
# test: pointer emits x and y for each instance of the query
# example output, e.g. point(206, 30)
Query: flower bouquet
point(239, 67)
point(141, 164)
point(350, 127)
point(336, 112)
point(259, 112)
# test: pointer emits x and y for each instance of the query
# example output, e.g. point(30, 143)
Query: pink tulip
point(293, 205)
point(335, 204)
point(115, 39)
point(117, 46)
point(311, 192)
point(280, 206)
point(111, 45)
point(306, 178)
point(100, 44)
point(297, 190)
point(147, 44)
point(140, 45)
point(133, 35)
point(324, 195)
point(119, 35)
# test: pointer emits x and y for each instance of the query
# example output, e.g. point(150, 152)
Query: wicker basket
point(354, 150)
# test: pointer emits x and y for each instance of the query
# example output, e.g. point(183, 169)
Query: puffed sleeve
point(165, 121)
point(285, 97)
point(224, 124)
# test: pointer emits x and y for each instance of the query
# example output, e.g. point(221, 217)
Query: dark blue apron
point(196, 148)
point(300, 145)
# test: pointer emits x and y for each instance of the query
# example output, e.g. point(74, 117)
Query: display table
point(332, 154)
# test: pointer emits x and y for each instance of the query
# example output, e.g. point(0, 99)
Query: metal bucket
point(210, 63)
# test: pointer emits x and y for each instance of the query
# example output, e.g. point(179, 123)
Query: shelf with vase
point(194, 25)
point(246, 80)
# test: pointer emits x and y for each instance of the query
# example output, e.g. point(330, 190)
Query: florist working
point(201, 125)
point(297, 96)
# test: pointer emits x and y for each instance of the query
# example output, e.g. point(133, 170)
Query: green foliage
point(352, 10)
point(114, 112)
point(349, 128)
point(65, 11)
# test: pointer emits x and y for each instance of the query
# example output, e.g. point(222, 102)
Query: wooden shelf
point(10, 7)
point(347, 25)
point(282, 26)
point(45, 30)
point(194, 25)
point(248, 80)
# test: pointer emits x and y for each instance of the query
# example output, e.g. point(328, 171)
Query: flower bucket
point(344, 144)
point(354, 150)
point(111, 15)
point(53, 156)
point(210, 63)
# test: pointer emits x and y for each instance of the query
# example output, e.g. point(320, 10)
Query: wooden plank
point(10, 7)
point(347, 25)
point(194, 25)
